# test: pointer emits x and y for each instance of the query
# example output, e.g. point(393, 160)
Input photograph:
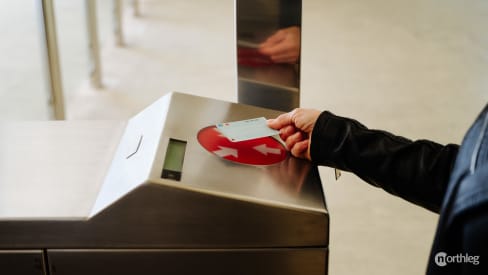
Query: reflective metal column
point(264, 78)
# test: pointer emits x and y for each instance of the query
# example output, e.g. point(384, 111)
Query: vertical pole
point(135, 6)
point(93, 44)
point(51, 58)
point(276, 85)
point(118, 31)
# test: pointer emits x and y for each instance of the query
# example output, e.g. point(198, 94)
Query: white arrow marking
point(225, 151)
point(263, 149)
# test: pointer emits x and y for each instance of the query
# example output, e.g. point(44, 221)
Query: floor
point(417, 68)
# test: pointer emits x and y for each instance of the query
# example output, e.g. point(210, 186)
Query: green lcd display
point(173, 161)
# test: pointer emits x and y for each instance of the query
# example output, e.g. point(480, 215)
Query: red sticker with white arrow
point(260, 151)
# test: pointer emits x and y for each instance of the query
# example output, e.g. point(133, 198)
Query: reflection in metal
point(135, 7)
point(262, 80)
point(51, 58)
point(94, 49)
point(118, 30)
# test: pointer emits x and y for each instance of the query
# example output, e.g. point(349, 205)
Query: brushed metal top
point(73, 170)
point(54, 169)
point(181, 116)
point(98, 185)
point(279, 185)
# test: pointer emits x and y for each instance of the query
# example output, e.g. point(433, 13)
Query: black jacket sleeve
point(417, 171)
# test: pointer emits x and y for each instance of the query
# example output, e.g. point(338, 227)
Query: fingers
point(293, 139)
point(274, 39)
point(281, 121)
point(301, 149)
point(301, 119)
point(276, 49)
point(299, 145)
point(283, 46)
point(295, 129)
point(287, 131)
point(283, 52)
point(291, 58)
point(305, 119)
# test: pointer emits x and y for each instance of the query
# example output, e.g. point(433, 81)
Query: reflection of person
point(283, 46)
point(449, 180)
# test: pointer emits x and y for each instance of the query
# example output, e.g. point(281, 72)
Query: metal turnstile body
point(79, 197)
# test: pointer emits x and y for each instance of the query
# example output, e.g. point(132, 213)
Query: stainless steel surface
point(22, 262)
point(94, 47)
point(232, 261)
point(118, 24)
point(51, 58)
point(53, 169)
point(58, 193)
point(257, 19)
point(47, 196)
point(275, 86)
point(160, 216)
point(228, 179)
point(266, 95)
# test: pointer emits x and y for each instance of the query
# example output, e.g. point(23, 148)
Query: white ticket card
point(246, 129)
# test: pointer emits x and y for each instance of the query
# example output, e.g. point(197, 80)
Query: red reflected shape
point(260, 151)
point(252, 58)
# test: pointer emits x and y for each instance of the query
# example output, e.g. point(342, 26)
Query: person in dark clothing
point(451, 180)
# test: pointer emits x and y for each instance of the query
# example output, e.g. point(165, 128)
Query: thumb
point(281, 121)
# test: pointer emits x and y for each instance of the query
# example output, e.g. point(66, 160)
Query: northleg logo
point(442, 259)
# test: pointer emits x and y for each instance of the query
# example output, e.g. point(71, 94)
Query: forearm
point(415, 170)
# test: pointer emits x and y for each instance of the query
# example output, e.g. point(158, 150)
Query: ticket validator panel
point(164, 192)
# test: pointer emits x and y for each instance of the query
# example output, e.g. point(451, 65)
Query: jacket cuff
point(322, 134)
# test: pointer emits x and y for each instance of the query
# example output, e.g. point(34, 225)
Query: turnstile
point(163, 193)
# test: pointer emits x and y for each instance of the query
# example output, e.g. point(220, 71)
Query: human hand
point(295, 129)
point(283, 46)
